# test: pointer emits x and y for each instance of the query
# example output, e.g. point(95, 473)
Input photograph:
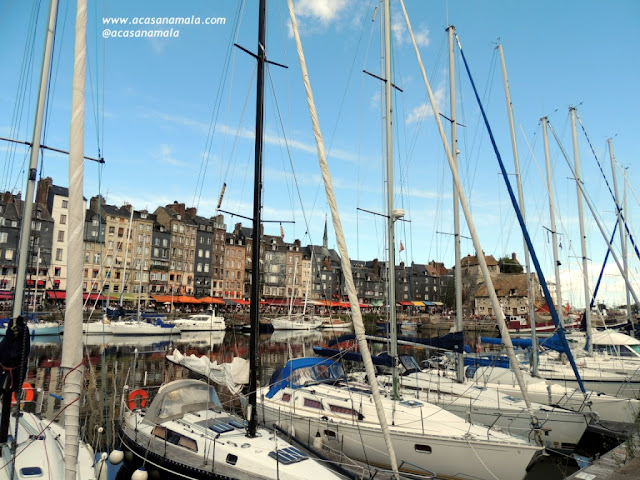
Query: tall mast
point(527, 259)
point(358, 324)
point(552, 216)
point(71, 362)
point(456, 201)
point(583, 237)
point(257, 205)
point(625, 245)
point(25, 226)
point(464, 204)
point(391, 214)
point(599, 223)
point(621, 229)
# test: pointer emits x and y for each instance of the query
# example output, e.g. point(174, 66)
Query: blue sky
point(157, 100)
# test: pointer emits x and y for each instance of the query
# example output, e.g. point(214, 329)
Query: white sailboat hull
point(35, 437)
point(608, 407)
point(558, 428)
point(200, 440)
point(134, 328)
point(296, 322)
point(200, 323)
point(423, 438)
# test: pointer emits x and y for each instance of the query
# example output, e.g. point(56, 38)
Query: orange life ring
point(136, 395)
point(28, 391)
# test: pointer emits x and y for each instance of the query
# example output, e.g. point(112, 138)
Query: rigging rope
point(514, 202)
point(618, 208)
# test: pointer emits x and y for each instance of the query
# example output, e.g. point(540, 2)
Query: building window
point(65, 203)
point(58, 254)
point(63, 219)
point(61, 236)
point(8, 254)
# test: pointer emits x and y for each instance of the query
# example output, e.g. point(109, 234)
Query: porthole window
point(423, 448)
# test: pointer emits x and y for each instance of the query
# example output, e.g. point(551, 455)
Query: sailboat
point(314, 400)
point(181, 430)
point(38, 447)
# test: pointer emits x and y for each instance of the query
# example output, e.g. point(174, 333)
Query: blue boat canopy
point(299, 372)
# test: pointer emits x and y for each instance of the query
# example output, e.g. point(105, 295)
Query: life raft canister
point(29, 393)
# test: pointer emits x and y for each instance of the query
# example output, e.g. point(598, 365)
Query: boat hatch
point(221, 428)
point(512, 399)
point(232, 459)
point(411, 403)
point(288, 455)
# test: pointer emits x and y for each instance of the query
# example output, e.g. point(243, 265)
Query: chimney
point(95, 203)
point(237, 229)
point(191, 212)
point(178, 208)
point(513, 257)
point(42, 190)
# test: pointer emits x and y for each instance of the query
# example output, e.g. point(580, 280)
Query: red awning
point(56, 294)
point(406, 304)
point(93, 296)
point(277, 301)
point(6, 296)
point(242, 301)
point(211, 300)
point(162, 298)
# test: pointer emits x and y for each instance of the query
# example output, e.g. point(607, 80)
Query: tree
point(509, 264)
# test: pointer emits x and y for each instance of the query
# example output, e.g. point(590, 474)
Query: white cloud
point(166, 156)
point(401, 35)
point(324, 11)
point(424, 110)
point(422, 37)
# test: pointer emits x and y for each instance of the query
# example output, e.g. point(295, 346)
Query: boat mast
point(459, 325)
point(25, 226)
point(625, 249)
point(621, 230)
point(358, 324)
point(257, 205)
point(599, 223)
point(495, 303)
point(527, 259)
point(392, 215)
point(71, 362)
point(583, 237)
point(552, 216)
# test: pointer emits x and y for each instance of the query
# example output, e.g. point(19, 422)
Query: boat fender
point(116, 457)
point(140, 474)
point(101, 467)
point(28, 393)
point(317, 441)
point(136, 395)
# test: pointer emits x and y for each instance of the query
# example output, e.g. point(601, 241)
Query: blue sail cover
point(299, 372)
point(450, 341)
point(552, 343)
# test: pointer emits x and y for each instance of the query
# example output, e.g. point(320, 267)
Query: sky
point(174, 118)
